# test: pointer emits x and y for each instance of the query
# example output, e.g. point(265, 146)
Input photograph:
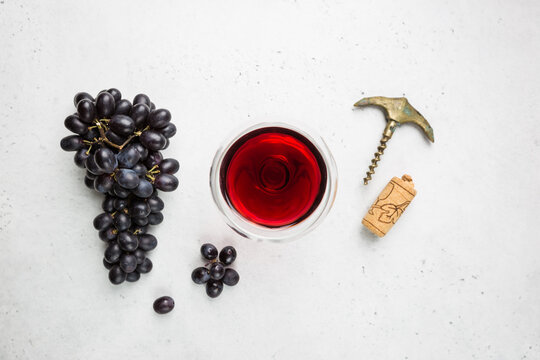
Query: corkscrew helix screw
point(397, 111)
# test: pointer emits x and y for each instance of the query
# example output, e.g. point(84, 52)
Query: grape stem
point(104, 139)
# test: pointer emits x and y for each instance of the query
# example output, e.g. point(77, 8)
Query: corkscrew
point(397, 111)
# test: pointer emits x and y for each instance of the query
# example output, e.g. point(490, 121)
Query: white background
point(457, 278)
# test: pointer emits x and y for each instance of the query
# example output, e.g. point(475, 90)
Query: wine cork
point(389, 206)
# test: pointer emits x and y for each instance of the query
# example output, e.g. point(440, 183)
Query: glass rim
point(256, 231)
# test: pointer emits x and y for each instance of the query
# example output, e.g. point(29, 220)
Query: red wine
point(273, 176)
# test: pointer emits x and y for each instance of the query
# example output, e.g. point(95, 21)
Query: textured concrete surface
point(457, 278)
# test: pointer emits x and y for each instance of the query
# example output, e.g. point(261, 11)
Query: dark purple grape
point(128, 157)
point(128, 263)
point(147, 242)
point(113, 253)
point(82, 95)
point(139, 208)
point(145, 267)
point(133, 276)
point(80, 157)
point(72, 143)
point(209, 251)
point(127, 241)
point(114, 137)
point(227, 255)
point(102, 221)
point(164, 305)
point(92, 167)
point(217, 270)
point(86, 110)
point(108, 204)
point(140, 254)
point(122, 125)
point(139, 113)
point(117, 95)
point(89, 182)
point(123, 107)
point(144, 189)
point(140, 221)
point(140, 169)
point(155, 203)
point(200, 275)
point(127, 178)
point(142, 99)
point(105, 159)
point(153, 158)
point(104, 105)
point(152, 140)
point(107, 265)
point(120, 204)
point(169, 166)
point(159, 118)
point(231, 277)
point(122, 221)
point(155, 218)
point(74, 124)
point(167, 143)
point(168, 131)
point(117, 275)
point(141, 149)
point(103, 183)
point(120, 192)
point(152, 106)
point(108, 234)
point(90, 175)
point(166, 182)
point(214, 288)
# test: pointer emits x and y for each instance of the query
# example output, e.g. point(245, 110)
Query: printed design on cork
point(389, 212)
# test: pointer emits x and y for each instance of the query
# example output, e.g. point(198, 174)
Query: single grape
point(139, 208)
point(89, 182)
point(139, 113)
point(107, 265)
point(152, 140)
point(153, 158)
point(80, 157)
point(119, 203)
point(141, 221)
point(117, 275)
point(168, 131)
point(92, 167)
point(117, 95)
point(103, 221)
point(128, 263)
point(231, 277)
point(227, 255)
point(144, 189)
point(122, 221)
point(217, 270)
point(104, 105)
point(159, 118)
point(139, 169)
point(72, 143)
point(106, 160)
point(103, 183)
point(128, 157)
point(82, 95)
point(74, 124)
point(108, 234)
point(141, 99)
point(122, 125)
point(86, 110)
point(155, 203)
point(113, 253)
point(145, 267)
point(133, 276)
point(108, 204)
point(127, 178)
point(166, 182)
point(141, 149)
point(147, 242)
point(114, 137)
point(123, 107)
point(164, 305)
point(167, 143)
point(127, 241)
point(200, 275)
point(152, 106)
point(169, 166)
point(214, 288)
point(155, 218)
point(120, 192)
point(90, 175)
point(140, 255)
point(209, 251)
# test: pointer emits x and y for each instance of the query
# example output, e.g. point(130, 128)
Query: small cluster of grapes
point(118, 143)
point(216, 274)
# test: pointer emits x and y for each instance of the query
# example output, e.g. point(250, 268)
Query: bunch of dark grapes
point(216, 273)
point(119, 144)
